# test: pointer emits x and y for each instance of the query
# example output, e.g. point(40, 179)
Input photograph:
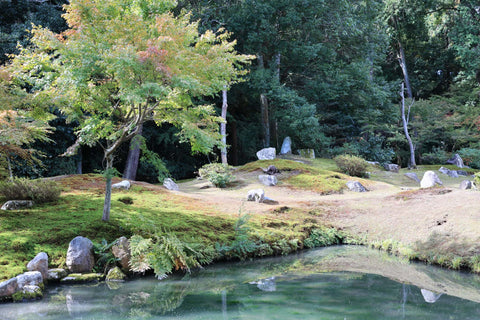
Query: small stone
point(82, 278)
point(392, 167)
point(271, 170)
point(448, 172)
point(267, 154)
point(356, 186)
point(413, 176)
point(121, 251)
point(115, 274)
point(17, 204)
point(125, 184)
point(306, 153)
point(170, 184)
point(466, 184)
point(56, 274)
point(268, 180)
point(39, 263)
point(257, 195)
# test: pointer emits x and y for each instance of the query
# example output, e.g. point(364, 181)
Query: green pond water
point(330, 283)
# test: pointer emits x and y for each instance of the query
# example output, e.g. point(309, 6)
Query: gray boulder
point(17, 204)
point(462, 173)
point(8, 287)
point(267, 154)
point(121, 251)
point(391, 167)
point(448, 172)
point(286, 146)
point(125, 184)
point(429, 180)
point(356, 186)
point(306, 153)
point(39, 263)
point(170, 184)
point(115, 274)
point(466, 184)
point(257, 195)
point(80, 255)
point(268, 180)
point(56, 274)
point(413, 176)
point(271, 170)
point(456, 160)
point(31, 278)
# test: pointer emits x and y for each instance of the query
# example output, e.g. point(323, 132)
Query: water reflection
point(331, 283)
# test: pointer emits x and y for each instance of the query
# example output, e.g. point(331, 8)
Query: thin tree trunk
point(223, 126)
point(131, 166)
point(79, 161)
point(108, 188)
point(264, 110)
point(405, 120)
point(403, 65)
point(10, 172)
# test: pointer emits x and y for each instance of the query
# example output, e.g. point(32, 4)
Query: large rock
point(430, 179)
point(413, 176)
point(121, 251)
point(356, 186)
point(456, 160)
point(286, 146)
point(39, 263)
point(125, 184)
point(257, 195)
point(268, 180)
point(466, 184)
point(267, 154)
point(391, 167)
point(448, 172)
point(307, 153)
point(80, 255)
point(31, 278)
point(170, 184)
point(17, 204)
point(8, 287)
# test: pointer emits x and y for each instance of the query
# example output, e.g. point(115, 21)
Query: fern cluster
point(242, 246)
point(166, 253)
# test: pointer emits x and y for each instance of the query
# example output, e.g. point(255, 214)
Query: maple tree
point(124, 62)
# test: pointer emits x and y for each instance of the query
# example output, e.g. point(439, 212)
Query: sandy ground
point(385, 212)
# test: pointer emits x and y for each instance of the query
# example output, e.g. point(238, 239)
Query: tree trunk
point(131, 166)
point(108, 188)
point(79, 161)
point(223, 126)
point(405, 120)
point(10, 172)
point(403, 65)
point(264, 110)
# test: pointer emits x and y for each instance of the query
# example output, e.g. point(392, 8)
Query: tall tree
point(124, 62)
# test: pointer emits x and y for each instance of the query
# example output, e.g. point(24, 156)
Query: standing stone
point(356, 186)
point(430, 179)
point(267, 154)
point(268, 180)
point(17, 204)
point(121, 251)
point(80, 255)
point(39, 263)
point(391, 167)
point(257, 195)
point(286, 146)
point(413, 176)
point(456, 160)
point(466, 184)
point(170, 184)
point(306, 153)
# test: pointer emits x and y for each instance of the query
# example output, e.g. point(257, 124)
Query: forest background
point(327, 73)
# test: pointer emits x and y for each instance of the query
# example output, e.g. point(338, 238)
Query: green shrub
point(40, 191)
point(104, 258)
point(321, 237)
point(242, 246)
point(437, 156)
point(352, 165)
point(217, 173)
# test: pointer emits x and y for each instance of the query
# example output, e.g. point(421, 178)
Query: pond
point(344, 282)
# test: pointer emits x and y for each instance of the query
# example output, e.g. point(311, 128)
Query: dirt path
point(449, 215)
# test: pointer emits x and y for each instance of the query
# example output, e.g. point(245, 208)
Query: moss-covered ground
point(313, 208)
